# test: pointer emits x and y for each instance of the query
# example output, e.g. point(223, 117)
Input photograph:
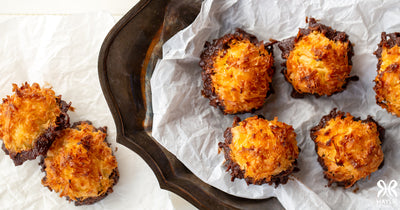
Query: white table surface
point(141, 172)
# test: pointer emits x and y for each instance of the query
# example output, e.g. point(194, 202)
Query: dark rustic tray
point(126, 62)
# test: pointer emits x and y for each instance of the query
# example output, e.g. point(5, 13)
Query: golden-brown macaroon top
point(349, 149)
point(318, 65)
point(240, 72)
point(387, 81)
point(389, 56)
point(263, 149)
point(242, 76)
point(80, 164)
point(318, 60)
point(26, 115)
point(387, 88)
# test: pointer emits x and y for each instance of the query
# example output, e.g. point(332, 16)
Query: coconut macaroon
point(260, 151)
point(80, 164)
point(387, 81)
point(30, 120)
point(318, 60)
point(237, 72)
point(349, 149)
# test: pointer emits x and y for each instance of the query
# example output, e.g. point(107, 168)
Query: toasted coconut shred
point(237, 72)
point(80, 165)
point(318, 60)
point(348, 149)
point(260, 151)
point(387, 81)
point(30, 120)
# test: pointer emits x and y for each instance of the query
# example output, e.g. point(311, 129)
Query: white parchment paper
point(189, 127)
point(62, 51)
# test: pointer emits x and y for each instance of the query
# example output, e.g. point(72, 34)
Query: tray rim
point(171, 180)
point(122, 137)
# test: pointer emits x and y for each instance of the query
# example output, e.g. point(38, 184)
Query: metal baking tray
point(126, 62)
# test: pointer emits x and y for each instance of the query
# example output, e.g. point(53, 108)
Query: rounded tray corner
point(126, 61)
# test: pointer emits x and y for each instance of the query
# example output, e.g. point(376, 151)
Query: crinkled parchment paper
point(190, 128)
point(62, 51)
